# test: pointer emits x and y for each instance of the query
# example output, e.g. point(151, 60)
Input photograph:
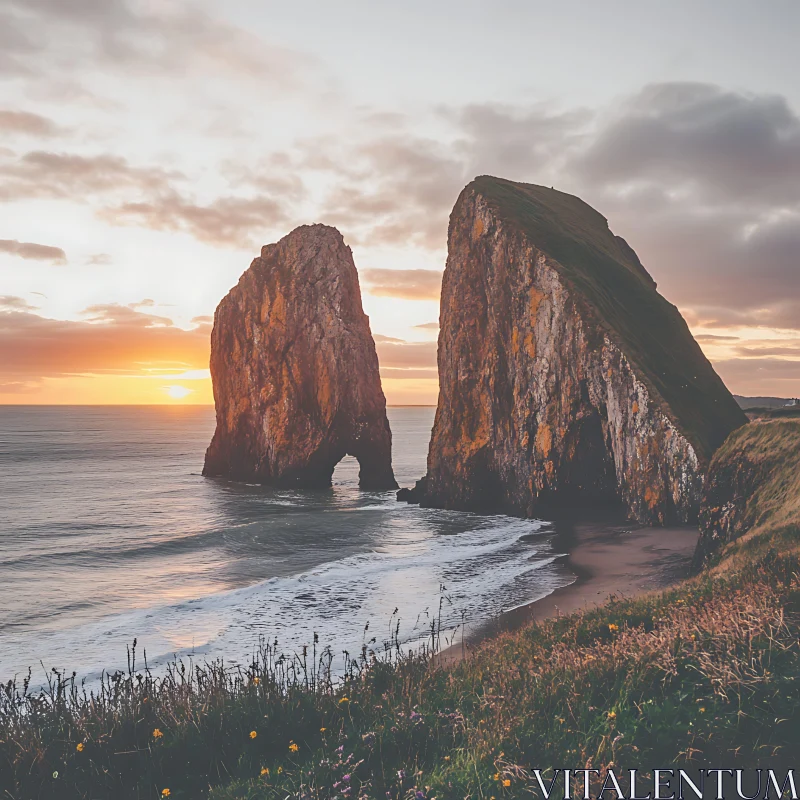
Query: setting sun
point(178, 392)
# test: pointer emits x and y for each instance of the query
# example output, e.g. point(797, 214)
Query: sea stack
point(295, 371)
point(566, 379)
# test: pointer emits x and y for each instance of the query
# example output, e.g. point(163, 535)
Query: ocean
point(108, 532)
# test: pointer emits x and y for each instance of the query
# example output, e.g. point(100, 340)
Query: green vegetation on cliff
point(752, 496)
point(623, 301)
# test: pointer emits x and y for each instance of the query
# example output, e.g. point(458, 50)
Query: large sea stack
point(566, 378)
point(295, 371)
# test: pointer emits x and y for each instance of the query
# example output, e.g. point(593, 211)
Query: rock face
point(565, 378)
point(295, 371)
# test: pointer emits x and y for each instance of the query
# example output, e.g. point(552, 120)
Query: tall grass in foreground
point(706, 674)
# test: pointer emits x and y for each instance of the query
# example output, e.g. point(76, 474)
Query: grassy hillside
point(623, 299)
point(752, 501)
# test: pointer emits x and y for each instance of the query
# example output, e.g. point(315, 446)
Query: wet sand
point(607, 556)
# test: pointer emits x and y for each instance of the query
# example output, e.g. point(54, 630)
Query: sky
point(149, 148)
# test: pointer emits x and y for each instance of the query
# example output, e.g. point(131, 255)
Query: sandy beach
point(607, 556)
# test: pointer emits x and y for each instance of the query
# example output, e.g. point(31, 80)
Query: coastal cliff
point(565, 378)
point(295, 371)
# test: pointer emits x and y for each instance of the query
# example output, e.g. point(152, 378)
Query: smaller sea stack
point(295, 371)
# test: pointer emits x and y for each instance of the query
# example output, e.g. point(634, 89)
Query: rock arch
point(295, 370)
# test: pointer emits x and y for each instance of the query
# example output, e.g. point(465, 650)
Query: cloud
point(227, 221)
point(140, 38)
point(717, 144)
point(407, 355)
point(43, 174)
point(428, 326)
point(529, 143)
point(33, 252)
point(24, 122)
point(118, 340)
point(407, 284)
point(711, 338)
point(409, 374)
point(99, 260)
point(154, 202)
point(10, 302)
point(378, 337)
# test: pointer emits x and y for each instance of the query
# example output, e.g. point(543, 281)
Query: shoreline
point(607, 556)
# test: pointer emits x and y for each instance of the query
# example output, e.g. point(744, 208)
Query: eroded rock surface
point(295, 371)
point(565, 378)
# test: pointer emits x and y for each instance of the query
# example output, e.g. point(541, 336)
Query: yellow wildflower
point(612, 627)
point(165, 792)
point(344, 700)
point(264, 771)
point(256, 681)
point(506, 783)
point(294, 747)
point(157, 734)
point(702, 710)
point(79, 747)
point(280, 769)
point(496, 776)
point(322, 730)
point(612, 714)
point(253, 734)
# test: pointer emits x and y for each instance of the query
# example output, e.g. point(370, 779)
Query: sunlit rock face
point(565, 378)
point(295, 371)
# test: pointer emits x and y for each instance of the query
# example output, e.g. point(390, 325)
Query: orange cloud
point(115, 340)
point(32, 251)
point(406, 284)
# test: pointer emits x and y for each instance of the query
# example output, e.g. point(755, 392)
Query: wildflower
point(612, 627)
point(322, 730)
point(447, 758)
point(344, 700)
point(702, 710)
point(79, 747)
point(496, 776)
point(612, 714)
point(346, 778)
point(401, 774)
point(165, 792)
point(55, 774)
point(280, 769)
point(264, 772)
point(506, 783)
point(256, 681)
point(157, 734)
point(294, 747)
point(420, 796)
point(253, 734)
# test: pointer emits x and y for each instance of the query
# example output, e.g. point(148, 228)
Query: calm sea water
point(109, 532)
